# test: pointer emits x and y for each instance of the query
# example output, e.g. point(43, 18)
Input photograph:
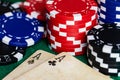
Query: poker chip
point(10, 54)
point(102, 57)
point(55, 9)
point(99, 35)
point(74, 47)
point(20, 29)
point(67, 39)
point(9, 7)
point(35, 8)
point(68, 25)
point(109, 14)
point(108, 68)
point(113, 2)
point(72, 22)
point(103, 49)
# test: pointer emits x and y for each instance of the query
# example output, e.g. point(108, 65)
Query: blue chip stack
point(109, 11)
point(18, 30)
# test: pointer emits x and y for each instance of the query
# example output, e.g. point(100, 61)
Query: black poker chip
point(107, 57)
point(105, 38)
point(6, 6)
point(113, 71)
point(10, 54)
point(97, 67)
point(111, 64)
point(104, 48)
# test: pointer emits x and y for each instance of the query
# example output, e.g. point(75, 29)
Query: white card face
point(63, 67)
point(34, 60)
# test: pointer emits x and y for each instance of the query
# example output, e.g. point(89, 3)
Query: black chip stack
point(104, 49)
point(10, 54)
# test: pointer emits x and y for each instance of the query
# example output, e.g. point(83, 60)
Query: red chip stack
point(35, 8)
point(68, 22)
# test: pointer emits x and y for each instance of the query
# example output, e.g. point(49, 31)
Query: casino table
point(41, 45)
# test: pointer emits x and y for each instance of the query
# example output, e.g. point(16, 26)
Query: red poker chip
point(68, 30)
point(67, 25)
point(56, 47)
point(67, 10)
point(64, 40)
point(94, 23)
point(93, 3)
point(56, 37)
point(74, 52)
point(37, 15)
point(35, 5)
point(65, 34)
point(56, 22)
point(74, 43)
point(64, 21)
point(67, 44)
point(35, 8)
point(67, 41)
point(66, 49)
point(88, 17)
point(73, 30)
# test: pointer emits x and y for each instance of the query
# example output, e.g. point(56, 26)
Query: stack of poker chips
point(35, 8)
point(104, 49)
point(109, 11)
point(18, 30)
point(67, 24)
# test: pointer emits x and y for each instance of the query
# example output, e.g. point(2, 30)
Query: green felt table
point(41, 45)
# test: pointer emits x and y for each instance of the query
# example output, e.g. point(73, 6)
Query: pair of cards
point(46, 66)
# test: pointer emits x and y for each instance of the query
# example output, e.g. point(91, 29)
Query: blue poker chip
point(112, 17)
point(111, 2)
point(107, 17)
point(105, 20)
point(109, 13)
point(20, 29)
point(110, 9)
